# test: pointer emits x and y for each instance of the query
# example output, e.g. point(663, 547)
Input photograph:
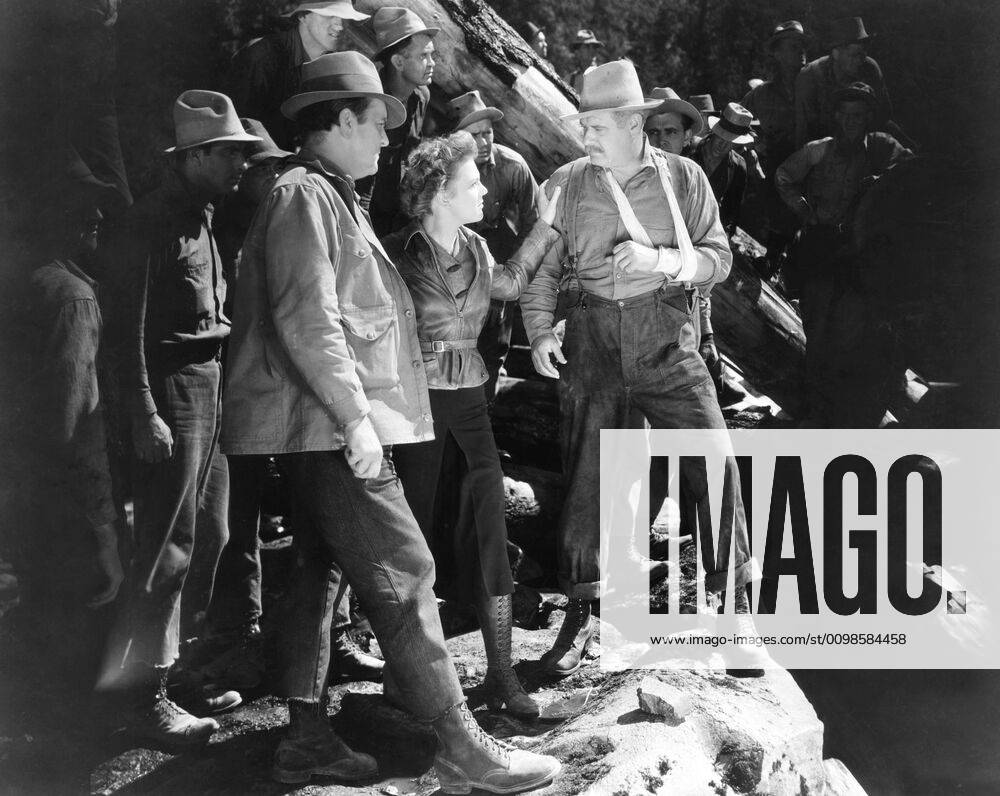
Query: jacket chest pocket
point(372, 336)
point(359, 279)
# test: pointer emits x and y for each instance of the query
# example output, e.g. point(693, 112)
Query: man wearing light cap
point(638, 230)
point(267, 71)
point(326, 374)
point(405, 48)
point(509, 213)
point(171, 379)
point(585, 48)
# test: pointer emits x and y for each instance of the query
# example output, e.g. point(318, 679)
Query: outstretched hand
point(546, 206)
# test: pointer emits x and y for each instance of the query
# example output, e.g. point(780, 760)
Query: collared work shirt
point(72, 457)
point(509, 207)
point(325, 332)
point(168, 258)
point(599, 228)
point(828, 173)
point(773, 103)
point(814, 105)
point(447, 315)
point(728, 180)
point(264, 74)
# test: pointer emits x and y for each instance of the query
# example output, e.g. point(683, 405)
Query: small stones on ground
point(663, 699)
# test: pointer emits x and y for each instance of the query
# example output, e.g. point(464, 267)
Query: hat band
point(729, 127)
point(356, 82)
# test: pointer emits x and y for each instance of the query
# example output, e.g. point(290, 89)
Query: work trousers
point(638, 353)
point(180, 514)
point(469, 543)
point(236, 598)
point(365, 527)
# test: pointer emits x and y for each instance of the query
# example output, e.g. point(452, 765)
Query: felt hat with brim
point(613, 86)
point(342, 76)
point(703, 104)
point(338, 8)
point(206, 117)
point(469, 108)
point(672, 103)
point(790, 29)
point(532, 30)
point(585, 36)
point(262, 150)
point(856, 92)
point(733, 125)
point(848, 30)
point(394, 24)
point(753, 82)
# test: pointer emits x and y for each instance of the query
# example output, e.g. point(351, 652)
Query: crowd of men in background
point(308, 145)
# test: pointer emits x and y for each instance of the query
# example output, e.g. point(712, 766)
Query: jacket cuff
point(347, 410)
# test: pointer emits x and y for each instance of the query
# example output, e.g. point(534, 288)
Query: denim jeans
point(367, 528)
point(177, 502)
point(638, 353)
point(236, 598)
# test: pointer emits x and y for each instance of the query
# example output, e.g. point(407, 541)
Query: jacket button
point(408, 313)
point(361, 253)
point(416, 363)
point(427, 416)
point(371, 335)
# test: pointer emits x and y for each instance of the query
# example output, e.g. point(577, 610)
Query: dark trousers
point(367, 529)
point(636, 353)
point(470, 545)
point(180, 515)
point(236, 598)
point(494, 343)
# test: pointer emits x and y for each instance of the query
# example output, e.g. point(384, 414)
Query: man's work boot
point(312, 749)
point(206, 700)
point(572, 642)
point(349, 661)
point(746, 658)
point(153, 717)
point(469, 758)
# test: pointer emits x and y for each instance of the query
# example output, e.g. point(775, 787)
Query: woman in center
point(452, 277)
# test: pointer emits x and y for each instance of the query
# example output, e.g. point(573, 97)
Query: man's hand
point(108, 564)
point(631, 256)
point(364, 451)
point(546, 206)
point(152, 439)
point(708, 351)
point(542, 350)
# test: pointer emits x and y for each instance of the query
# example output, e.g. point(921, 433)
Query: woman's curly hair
point(428, 169)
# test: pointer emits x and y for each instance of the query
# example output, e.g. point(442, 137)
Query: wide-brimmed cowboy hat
point(613, 86)
point(790, 29)
point(332, 8)
point(206, 117)
point(733, 125)
point(394, 24)
point(672, 103)
point(703, 103)
point(341, 76)
point(856, 92)
point(264, 149)
point(848, 30)
point(585, 36)
point(469, 108)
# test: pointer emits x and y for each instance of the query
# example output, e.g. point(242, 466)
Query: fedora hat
point(855, 92)
point(790, 29)
point(848, 30)
point(734, 124)
point(585, 36)
point(672, 103)
point(703, 104)
point(265, 148)
point(613, 86)
point(332, 8)
point(393, 24)
point(206, 117)
point(469, 108)
point(754, 82)
point(342, 76)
